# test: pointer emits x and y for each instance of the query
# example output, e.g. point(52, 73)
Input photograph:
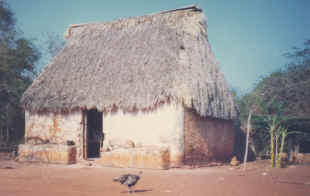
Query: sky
point(248, 37)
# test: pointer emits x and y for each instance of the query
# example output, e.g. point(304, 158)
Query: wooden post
point(296, 149)
point(247, 140)
point(284, 134)
point(1, 135)
point(290, 149)
point(277, 136)
point(272, 147)
point(84, 113)
point(7, 124)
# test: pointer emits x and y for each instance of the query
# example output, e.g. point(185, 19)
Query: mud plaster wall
point(207, 139)
point(56, 128)
point(162, 127)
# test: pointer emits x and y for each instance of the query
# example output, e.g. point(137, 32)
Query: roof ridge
point(188, 7)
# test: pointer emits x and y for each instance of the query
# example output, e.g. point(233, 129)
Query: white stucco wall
point(163, 127)
point(57, 128)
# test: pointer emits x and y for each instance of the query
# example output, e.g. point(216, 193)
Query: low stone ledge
point(47, 153)
point(149, 158)
point(303, 158)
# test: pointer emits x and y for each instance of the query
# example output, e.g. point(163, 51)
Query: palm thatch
point(134, 64)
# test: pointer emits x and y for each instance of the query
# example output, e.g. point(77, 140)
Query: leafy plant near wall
point(269, 116)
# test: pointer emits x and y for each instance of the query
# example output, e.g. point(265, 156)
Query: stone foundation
point(47, 153)
point(302, 158)
point(149, 158)
point(6, 155)
point(54, 128)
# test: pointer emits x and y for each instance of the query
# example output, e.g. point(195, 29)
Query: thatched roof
point(134, 64)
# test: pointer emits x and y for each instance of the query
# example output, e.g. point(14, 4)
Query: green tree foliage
point(283, 94)
point(17, 69)
point(50, 44)
point(54, 43)
point(291, 85)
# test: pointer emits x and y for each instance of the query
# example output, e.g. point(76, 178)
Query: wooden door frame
point(85, 155)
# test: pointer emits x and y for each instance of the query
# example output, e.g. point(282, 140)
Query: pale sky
point(248, 37)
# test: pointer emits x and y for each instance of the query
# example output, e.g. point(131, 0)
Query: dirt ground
point(21, 179)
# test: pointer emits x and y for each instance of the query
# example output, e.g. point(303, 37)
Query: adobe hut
point(151, 84)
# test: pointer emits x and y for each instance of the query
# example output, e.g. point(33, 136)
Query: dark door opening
point(305, 147)
point(94, 133)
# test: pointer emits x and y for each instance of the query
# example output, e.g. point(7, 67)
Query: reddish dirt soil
point(21, 179)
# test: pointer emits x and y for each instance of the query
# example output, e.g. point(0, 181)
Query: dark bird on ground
point(128, 179)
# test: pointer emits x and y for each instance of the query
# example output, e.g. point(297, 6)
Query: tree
point(50, 44)
point(283, 95)
point(291, 85)
point(17, 69)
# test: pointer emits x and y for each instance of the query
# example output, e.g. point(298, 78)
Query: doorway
point(95, 134)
